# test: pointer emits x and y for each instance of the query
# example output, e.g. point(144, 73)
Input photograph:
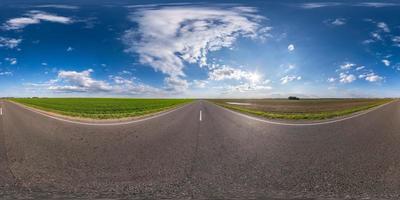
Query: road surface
point(200, 151)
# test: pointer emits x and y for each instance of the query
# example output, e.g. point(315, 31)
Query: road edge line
point(305, 124)
point(37, 111)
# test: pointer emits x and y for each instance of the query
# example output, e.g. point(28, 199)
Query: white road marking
point(1, 111)
point(102, 124)
point(200, 116)
point(306, 124)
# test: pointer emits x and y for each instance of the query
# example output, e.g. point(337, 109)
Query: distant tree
point(293, 98)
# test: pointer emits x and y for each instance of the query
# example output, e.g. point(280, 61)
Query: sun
point(254, 77)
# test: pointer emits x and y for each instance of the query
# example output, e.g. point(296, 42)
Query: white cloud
point(58, 6)
point(386, 62)
point(318, 5)
point(338, 22)
point(371, 77)
point(383, 26)
point(10, 43)
point(225, 72)
point(331, 80)
point(290, 67)
point(6, 73)
point(176, 84)
point(199, 83)
point(396, 40)
point(347, 78)
point(290, 47)
point(287, 79)
point(70, 49)
point(347, 66)
point(167, 37)
point(12, 61)
point(376, 36)
point(377, 4)
point(246, 87)
point(73, 81)
point(360, 68)
point(34, 17)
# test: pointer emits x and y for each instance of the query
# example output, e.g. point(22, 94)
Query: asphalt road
point(183, 155)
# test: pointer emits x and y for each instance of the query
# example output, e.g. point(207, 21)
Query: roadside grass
point(305, 115)
point(101, 108)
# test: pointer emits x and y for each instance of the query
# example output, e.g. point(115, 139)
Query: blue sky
point(252, 49)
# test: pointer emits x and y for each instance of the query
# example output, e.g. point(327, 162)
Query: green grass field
point(308, 109)
point(101, 108)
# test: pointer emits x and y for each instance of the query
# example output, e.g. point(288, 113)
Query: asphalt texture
point(180, 155)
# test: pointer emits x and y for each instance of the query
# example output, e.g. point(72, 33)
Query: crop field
point(101, 108)
point(307, 109)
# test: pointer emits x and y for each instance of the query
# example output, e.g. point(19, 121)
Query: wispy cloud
point(336, 22)
point(34, 17)
point(6, 73)
point(347, 66)
point(386, 62)
point(167, 37)
point(383, 26)
point(60, 6)
point(12, 61)
point(371, 77)
point(377, 4)
point(10, 43)
point(313, 5)
point(286, 79)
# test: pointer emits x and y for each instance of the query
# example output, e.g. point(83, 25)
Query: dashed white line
point(200, 118)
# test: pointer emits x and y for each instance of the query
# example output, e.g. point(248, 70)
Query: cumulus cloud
point(10, 43)
point(199, 83)
point(371, 77)
point(34, 17)
point(290, 47)
point(347, 66)
point(287, 79)
point(346, 78)
point(167, 37)
point(225, 72)
point(176, 84)
point(73, 81)
point(386, 62)
point(82, 81)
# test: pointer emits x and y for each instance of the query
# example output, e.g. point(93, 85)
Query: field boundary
point(303, 123)
point(101, 122)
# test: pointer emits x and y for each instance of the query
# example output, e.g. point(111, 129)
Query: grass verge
point(101, 108)
point(305, 116)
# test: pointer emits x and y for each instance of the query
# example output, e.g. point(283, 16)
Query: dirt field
point(300, 109)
